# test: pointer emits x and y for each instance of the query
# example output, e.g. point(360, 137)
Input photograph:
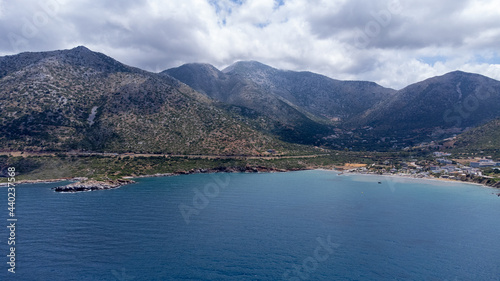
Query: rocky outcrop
point(481, 180)
point(92, 185)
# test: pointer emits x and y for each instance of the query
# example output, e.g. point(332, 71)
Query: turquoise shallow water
point(308, 225)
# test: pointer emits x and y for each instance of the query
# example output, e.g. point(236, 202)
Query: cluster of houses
point(441, 154)
point(484, 163)
point(445, 168)
point(456, 170)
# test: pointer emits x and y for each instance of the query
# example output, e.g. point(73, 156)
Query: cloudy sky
point(391, 42)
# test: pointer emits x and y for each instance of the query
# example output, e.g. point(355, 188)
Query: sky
point(391, 42)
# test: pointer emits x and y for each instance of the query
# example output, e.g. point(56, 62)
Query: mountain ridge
point(455, 94)
point(316, 93)
point(80, 99)
point(275, 114)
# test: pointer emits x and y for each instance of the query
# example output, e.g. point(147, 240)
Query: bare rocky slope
point(265, 110)
point(317, 94)
point(354, 114)
point(83, 100)
point(441, 105)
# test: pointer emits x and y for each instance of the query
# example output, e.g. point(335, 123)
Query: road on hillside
point(121, 155)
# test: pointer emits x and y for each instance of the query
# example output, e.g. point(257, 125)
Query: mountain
point(298, 106)
point(265, 110)
point(317, 94)
point(77, 57)
point(79, 99)
point(83, 100)
point(357, 114)
point(437, 106)
point(234, 90)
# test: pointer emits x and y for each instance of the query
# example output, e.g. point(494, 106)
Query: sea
point(304, 225)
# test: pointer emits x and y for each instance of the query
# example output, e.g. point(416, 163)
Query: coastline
point(421, 178)
point(4, 184)
point(79, 184)
point(82, 184)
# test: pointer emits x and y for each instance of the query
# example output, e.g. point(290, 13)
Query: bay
point(307, 225)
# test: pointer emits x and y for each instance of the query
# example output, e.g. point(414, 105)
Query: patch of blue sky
point(278, 3)
point(433, 59)
point(493, 58)
point(222, 5)
point(222, 9)
point(490, 58)
point(215, 4)
point(262, 25)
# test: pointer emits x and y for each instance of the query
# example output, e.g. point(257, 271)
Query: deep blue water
point(313, 225)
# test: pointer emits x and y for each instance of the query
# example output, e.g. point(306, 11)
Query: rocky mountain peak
point(241, 67)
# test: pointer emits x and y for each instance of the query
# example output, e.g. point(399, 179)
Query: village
point(441, 166)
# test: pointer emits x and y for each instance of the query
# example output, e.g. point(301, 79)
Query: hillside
point(319, 95)
point(82, 100)
point(300, 107)
point(262, 109)
point(483, 138)
point(438, 106)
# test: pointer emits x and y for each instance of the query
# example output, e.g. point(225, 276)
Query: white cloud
point(391, 42)
point(1, 9)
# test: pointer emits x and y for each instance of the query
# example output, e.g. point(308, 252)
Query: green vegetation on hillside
point(112, 167)
point(483, 140)
point(81, 100)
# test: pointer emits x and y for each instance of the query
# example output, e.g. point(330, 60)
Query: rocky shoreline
point(83, 184)
point(38, 181)
point(92, 185)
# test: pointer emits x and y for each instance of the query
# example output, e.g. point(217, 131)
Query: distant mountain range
point(83, 100)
